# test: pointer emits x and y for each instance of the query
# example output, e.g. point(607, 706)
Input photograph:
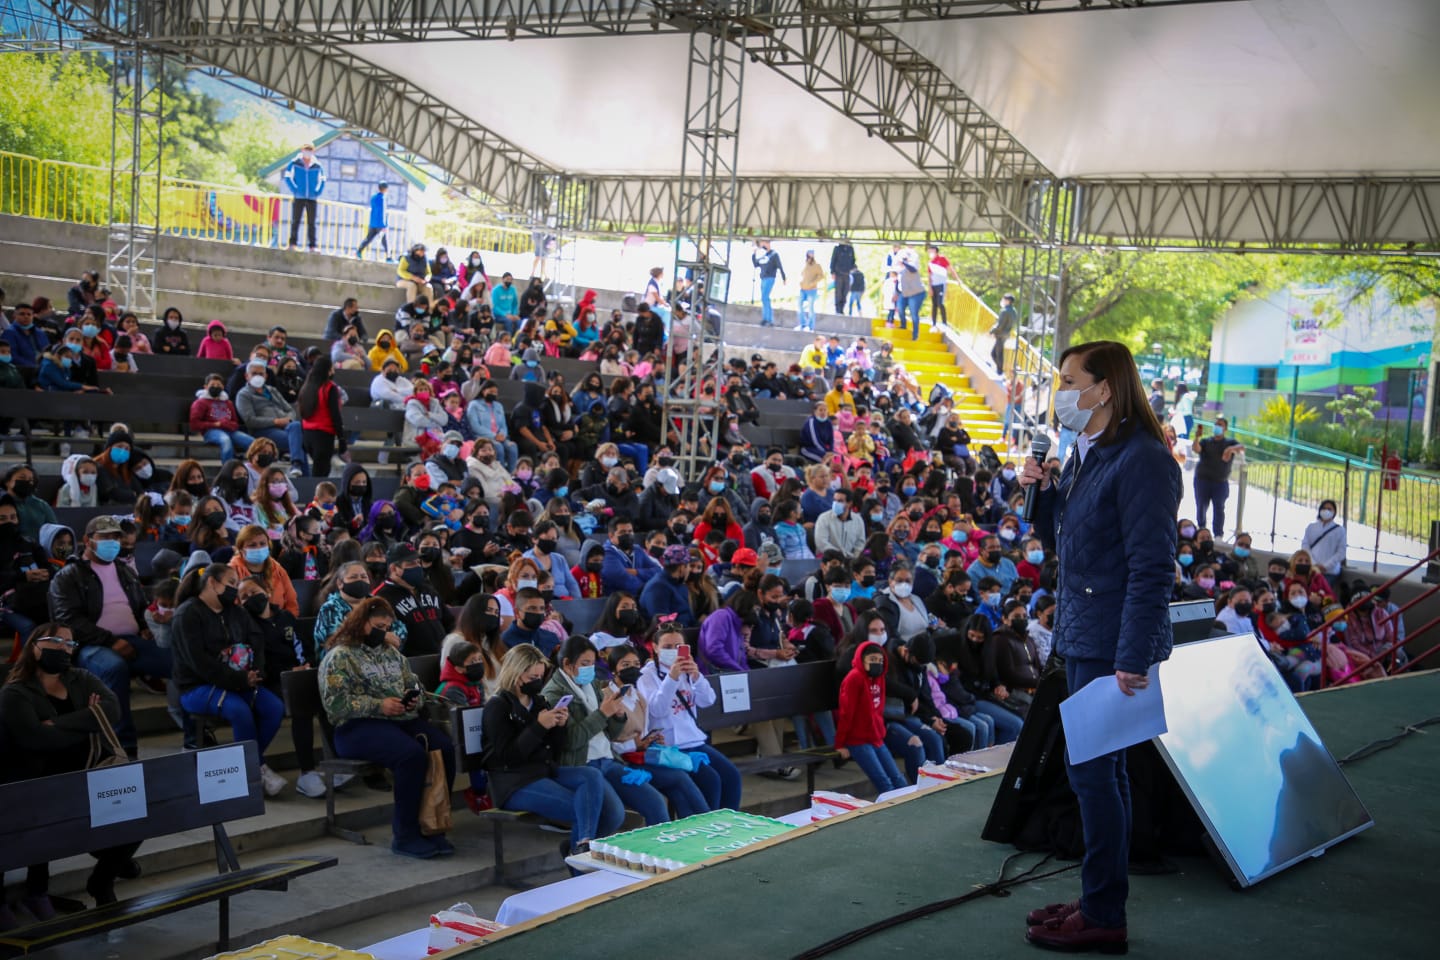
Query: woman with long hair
point(479, 624)
point(304, 551)
point(319, 405)
point(1112, 616)
point(47, 723)
point(274, 508)
point(373, 698)
point(190, 477)
point(254, 557)
point(207, 525)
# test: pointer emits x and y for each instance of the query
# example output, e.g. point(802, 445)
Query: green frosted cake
point(671, 846)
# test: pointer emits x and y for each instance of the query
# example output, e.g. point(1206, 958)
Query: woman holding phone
point(675, 692)
point(525, 739)
point(373, 698)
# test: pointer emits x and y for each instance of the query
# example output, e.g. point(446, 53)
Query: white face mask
point(901, 590)
point(527, 584)
point(879, 638)
point(668, 657)
point(144, 471)
point(1067, 409)
point(1299, 602)
point(1327, 515)
point(257, 382)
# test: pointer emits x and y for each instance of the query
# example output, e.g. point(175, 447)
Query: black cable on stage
point(990, 889)
point(1375, 746)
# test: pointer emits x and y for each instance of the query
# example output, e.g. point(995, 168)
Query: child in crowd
point(181, 505)
point(462, 675)
point(162, 610)
point(587, 571)
point(322, 508)
point(151, 517)
point(860, 720)
point(216, 345)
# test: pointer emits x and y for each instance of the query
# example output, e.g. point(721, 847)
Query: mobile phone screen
point(683, 651)
point(564, 701)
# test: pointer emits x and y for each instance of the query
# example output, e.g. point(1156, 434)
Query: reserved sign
point(117, 794)
point(220, 774)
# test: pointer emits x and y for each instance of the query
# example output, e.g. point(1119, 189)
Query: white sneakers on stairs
point(271, 781)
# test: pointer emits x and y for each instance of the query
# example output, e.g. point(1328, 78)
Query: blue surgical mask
point(74, 346)
point(717, 487)
point(1339, 626)
point(959, 536)
point(839, 509)
point(585, 675)
point(5, 358)
point(908, 490)
point(1186, 559)
point(107, 550)
point(89, 330)
point(1242, 552)
point(839, 594)
point(993, 599)
point(877, 517)
point(562, 491)
point(256, 555)
point(532, 363)
point(1036, 557)
point(65, 362)
point(119, 455)
point(450, 450)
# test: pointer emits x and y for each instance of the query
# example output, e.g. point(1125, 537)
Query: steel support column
point(1048, 213)
point(705, 227)
point(136, 150)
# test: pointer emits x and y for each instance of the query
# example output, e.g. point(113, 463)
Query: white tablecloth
point(408, 946)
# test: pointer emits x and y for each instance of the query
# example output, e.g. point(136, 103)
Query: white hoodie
point(668, 714)
point(71, 494)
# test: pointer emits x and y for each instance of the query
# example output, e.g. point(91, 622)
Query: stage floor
point(1373, 894)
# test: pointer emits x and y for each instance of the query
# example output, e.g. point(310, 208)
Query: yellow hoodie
point(379, 354)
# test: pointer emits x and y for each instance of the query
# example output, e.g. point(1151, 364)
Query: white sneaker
point(296, 472)
point(272, 782)
point(310, 784)
point(342, 779)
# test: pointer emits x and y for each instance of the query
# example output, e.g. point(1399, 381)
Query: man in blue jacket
point(27, 342)
point(667, 594)
point(625, 567)
point(505, 301)
point(377, 223)
point(305, 179)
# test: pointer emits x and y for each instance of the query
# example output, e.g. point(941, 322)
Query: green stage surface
point(1373, 895)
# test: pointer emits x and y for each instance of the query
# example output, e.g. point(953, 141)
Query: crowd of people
point(919, 580)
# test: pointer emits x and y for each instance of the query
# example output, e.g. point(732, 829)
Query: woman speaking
point(1111, 521)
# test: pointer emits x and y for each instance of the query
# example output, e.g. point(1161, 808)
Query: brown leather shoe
point(1053, 911)
point(1075, 934)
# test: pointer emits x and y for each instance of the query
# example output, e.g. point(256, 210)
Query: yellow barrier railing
point(460, 237)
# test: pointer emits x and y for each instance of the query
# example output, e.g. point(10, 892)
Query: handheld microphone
point(1039, 448)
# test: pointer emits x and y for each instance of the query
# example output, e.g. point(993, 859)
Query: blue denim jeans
point(395, 745)
point(807, 308)
point(878, 765)
point(644, 799)
point(981, 727)
point(824, 722)
point(897, 740)
point(253, 715)
point(852, 306)
point(912, 305)
point(767, 312)
point(115, 672)
point(1103, 788)
point(718, 780)
point(576, 795)
point(228, 441)
point(1210, 493)
point(291, 440)
point(1006, 724)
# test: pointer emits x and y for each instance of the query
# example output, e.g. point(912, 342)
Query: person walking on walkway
point(305, 179)
point(912, 290)
point(810, 277)
point(767, 261)
point(377, 223)
point(941, 273)
point(1004, 323)
point(842, 262)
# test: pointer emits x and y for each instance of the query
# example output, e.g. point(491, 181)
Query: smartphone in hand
point(682, 652)
point(564, 702)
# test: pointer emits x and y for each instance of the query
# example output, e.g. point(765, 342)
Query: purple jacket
point(945, 708)
point(721, 643)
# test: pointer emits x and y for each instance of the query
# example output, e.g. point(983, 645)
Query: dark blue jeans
point(394, 744)
point(1006, 724)
point(1103, 788)
point(578, 796)
point(897, 741)
point(1211, 493)
point(645, 799)
point(151, 660)
point(718, 780)
point(253, 715)
point(878, 765)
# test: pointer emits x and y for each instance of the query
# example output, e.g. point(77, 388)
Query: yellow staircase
point(930, 361)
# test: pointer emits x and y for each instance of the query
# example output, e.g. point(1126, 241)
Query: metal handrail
point(1324, 629)
point(1323, 453)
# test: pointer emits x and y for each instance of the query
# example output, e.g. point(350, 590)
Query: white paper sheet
point(734, 692)
point(220, 774)
point(473, 721)
point(1100, 719)
point(117, 794)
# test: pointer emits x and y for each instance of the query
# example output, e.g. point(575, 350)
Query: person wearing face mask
point(1303, 571)
point(840, 528)
point(81, 486)
point(215, 418)
point(265, 413)
point(1112, 618)
point(993, 564)
point(547, 557)
point(529, 625)
point(341, 592)
point(304, 177)
point(817, 436)
point(1034, 558)
point(766, 478)
point(115, 474)
point(352, 507)
point(1236, 615)
point(667, 595)
point(373, 699)
point(1325, 540)
point(103, 604)
point(1201, 585)
point(34, 512)
point(427, 620)
point(24, 574)
point(860, 728)
point(626, 568)
point(46, 720)
point(1212, 474)
point(219, 652)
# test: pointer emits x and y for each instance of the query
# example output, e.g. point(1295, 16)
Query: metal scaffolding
point(136, 150)
point(705, 229)
point(1049, 207)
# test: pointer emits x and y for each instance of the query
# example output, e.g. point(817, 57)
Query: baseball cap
point(675, 555)
point(745, 557)
point(402, 552)
point(453, 436)
point(102, 525)
point(669, 479)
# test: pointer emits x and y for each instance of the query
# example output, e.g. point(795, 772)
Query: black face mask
point(868, 580)
point(1270, 607)
point(763, 517)
point(626, 541)
point(1302, 569)
point(488, 622)
point(264, 460)
point(532, 620)
point(594, 567)
point(1244, 608)
point(9, 531)
point(196, 489)
point(23, 489)
point(916, 514)
point(429, 555)
point(929, 536)
point(54, 661)
point(656, 551)
point(385, 523)
point(627, 617)
point(358, 493)
point(532, 688)
point(1020, 625)
point(356, 589)
point(545, 546)
point(875, 669)
point(255, 606)
point(377, 568)
point(629, 675)
point(992, 558)
point(680, 530)
point(228, 595)
point(215, 391)
point(474, 672)
point(215, 520)
point(375, 638)
point(392, 375)
point(1276, 576)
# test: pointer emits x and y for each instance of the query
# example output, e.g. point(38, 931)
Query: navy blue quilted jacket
point(1111, 522)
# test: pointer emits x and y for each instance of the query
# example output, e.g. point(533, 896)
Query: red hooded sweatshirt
point(860, 721)
point(450, 677)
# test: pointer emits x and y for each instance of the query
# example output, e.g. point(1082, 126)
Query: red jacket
point(732, 532)
point(208, 413)
point(860, 721)
point(323, 418)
